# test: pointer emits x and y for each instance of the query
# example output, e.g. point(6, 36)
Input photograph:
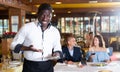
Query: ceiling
point(34, 2)
point(77, 6)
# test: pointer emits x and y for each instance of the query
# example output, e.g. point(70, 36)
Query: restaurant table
point(113, 66)
point(11, 68)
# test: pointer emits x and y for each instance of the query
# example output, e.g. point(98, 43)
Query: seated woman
point(97, 52)
point(71, 53)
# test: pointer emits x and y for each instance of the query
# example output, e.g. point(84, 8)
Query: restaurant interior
point(78, 17)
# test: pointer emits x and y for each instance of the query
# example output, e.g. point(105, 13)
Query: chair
point(81, 43)
point(110, 51)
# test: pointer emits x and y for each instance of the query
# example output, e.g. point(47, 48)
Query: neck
point(44, 28)
point(96, 46)
point(70, 47)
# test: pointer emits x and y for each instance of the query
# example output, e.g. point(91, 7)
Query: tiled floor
point(115, 56)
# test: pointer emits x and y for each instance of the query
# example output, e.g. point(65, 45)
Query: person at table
point(38, 40)
point(97, 52)
point(89, 39)
point(71, 52)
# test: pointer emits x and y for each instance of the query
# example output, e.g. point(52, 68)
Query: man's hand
point(70, 62)
point(34, 49)
point(31, 48)
point(56, 54)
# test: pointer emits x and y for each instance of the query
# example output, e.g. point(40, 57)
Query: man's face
point(72, 41)
point(45, 17)
point(91, 36)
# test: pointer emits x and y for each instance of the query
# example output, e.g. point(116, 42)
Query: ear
point(68, 42)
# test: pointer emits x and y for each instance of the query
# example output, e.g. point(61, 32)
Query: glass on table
point(93, 53)
point(5, 62)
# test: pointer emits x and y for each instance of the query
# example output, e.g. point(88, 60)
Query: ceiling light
point(33, 12)
point(112, 10)
point(58, 2)
point(30, 0)
point(54, 15)
point(69, 12)
point(52, 10)
point(93, 12)
point(93, 1)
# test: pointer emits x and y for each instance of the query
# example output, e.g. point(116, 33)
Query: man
point(89, 40)
point(38, 40)
point(71, 52)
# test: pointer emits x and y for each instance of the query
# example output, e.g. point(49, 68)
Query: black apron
point(37, 66)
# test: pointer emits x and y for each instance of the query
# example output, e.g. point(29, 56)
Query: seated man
point(71, 53)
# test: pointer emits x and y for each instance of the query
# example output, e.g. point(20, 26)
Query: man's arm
point(20, 47)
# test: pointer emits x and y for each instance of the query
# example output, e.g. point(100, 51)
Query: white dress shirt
point(31, 34)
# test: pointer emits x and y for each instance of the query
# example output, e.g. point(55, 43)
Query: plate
point(105, 71)
point(71, 65)
point(60, 64)
point(14, 62)
point(12, 66)
point(98, 64)
point(53, 57)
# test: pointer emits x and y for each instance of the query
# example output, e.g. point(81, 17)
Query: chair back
point(110, 51)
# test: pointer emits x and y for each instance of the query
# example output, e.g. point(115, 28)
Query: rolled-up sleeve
point(18, 39)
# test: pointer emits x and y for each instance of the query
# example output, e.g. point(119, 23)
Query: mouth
point(44, 22)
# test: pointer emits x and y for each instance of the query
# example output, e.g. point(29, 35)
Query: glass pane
point(98, 24)
point(113, 23)
point(105, 24)
point(88, 26)
point(32, 19)
point(27, 20)
point(14, 21)
point(81, 29)
point(6, 29)
point(77, 26)
point(62, 25)
point(1, 27)
point(23, 20)
point(69, 25)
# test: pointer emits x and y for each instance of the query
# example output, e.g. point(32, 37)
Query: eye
point(48, 16)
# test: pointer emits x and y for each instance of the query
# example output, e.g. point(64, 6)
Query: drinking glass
point(5, 62)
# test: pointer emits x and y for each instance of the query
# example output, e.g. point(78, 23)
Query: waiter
point(38, 40)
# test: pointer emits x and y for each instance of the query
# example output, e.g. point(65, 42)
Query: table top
point(113, 66)
point(15, 67)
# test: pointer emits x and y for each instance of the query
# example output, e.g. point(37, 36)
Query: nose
point(44, 17)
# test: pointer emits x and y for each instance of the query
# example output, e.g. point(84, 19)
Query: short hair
point(90, 33)
point(44, 6)
point(67, 38)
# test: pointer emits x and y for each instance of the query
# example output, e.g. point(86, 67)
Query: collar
point(39, 24)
